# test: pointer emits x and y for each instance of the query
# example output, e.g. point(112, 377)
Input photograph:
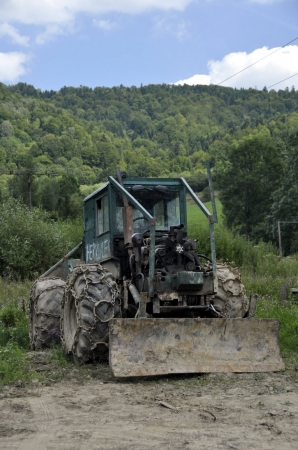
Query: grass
point(195, 215)
point(14, 293)
point(14, 332)
point(14, 365)
point(287, 313)
point(230, 246)
point(58, 355)
point(271, 281)
point(14, 301)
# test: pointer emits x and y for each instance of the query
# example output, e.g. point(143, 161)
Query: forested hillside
point(68, 140)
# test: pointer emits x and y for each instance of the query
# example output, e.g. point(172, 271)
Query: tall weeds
point(230, 247)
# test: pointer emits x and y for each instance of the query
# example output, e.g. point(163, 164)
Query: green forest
point(57, 147)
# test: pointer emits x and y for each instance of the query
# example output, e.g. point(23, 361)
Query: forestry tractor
point(143, 298)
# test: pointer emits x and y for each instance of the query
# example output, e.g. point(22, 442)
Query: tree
point(246, 182)
point(285, 202)
point(140, 164)
point(22, 184)
point(108, 156)
point(48, 194)
point(6, 129)
point(69, 203)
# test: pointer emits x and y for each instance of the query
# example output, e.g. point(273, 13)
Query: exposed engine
point(179, 272)
point(174, 252)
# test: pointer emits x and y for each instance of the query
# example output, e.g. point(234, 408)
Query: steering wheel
point(139, 218)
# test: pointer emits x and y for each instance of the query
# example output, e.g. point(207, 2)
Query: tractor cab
point(163, 199)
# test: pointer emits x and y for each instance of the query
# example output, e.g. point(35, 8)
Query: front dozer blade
point(142, 347)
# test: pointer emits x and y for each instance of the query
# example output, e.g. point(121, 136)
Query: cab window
point(164, 206)
point(102, 207)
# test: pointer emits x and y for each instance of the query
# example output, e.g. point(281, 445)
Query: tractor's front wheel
point(230, 300)
point(44, 314)
point(91, 300)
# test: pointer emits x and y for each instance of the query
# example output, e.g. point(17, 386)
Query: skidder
point(143, 297)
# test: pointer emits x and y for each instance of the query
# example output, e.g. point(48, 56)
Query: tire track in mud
point(43, 418)
point(54, 418)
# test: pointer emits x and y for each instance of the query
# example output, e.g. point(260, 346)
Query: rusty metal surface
point(168, 296)
point(165, 346)
point(127, 217)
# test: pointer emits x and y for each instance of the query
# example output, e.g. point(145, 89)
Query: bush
point(206, 195)
point(14, 326)
point(230, 247)
point(197, 181)
point(11, 315)
point(30, 242)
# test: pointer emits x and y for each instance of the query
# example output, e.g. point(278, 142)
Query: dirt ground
point(86, 408)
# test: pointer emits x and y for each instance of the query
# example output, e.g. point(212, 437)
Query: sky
point(56, 43)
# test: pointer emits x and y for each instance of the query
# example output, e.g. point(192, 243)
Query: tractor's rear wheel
point(91, 300)
point(230, 300)
point(44, 314)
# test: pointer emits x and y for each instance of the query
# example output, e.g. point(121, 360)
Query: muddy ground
point(86, 408)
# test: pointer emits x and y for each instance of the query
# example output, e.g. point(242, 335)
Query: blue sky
point(56, 43)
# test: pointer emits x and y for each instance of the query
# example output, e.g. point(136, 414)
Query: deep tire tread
point(230, 300)
point(44, 312)
point(92, 297)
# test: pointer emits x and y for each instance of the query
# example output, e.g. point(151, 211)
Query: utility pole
point(279, 239)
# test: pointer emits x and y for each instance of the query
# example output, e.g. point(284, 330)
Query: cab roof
point(138, 180)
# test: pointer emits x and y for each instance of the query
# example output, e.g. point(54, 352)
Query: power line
point(282, 80)
point(32, 172)
point(257, 61)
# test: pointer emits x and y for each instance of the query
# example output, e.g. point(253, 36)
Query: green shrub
point(30, 242)
point(58, 355)
point(206, 195)
point(11, 315)
point(230, 246)
point(14, 326)
point(13, 364)
point(18, 335)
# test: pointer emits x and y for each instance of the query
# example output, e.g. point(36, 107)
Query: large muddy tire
point(44, 314)
point(91, 300)
point(230, 300)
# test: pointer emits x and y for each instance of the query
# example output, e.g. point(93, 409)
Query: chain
point(33, 309)
point(227, 274)
point(70, 295)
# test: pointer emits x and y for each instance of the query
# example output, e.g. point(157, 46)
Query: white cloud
point(104, 24)
point(12, 66)
point(63, 11)
point(181, 30)
point(271, 70)
point(196, 79)
point(8, 30)
point(49, 32)
point(170, 25)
